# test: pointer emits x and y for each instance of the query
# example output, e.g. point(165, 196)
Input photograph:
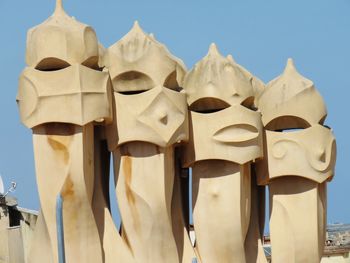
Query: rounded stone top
point(139, 58)
point(61, 41)
point(291, 101)
point(217, 82)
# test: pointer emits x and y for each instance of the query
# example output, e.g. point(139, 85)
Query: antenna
point(1, 187)
point(10, 190)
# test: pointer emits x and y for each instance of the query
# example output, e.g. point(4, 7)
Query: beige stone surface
point(41, 249)
point(233, 134)
point(225, 137)
point(299, 158)
point(113, 245)
point(216, 82)
point(157, 116)
point(308, 153)
point(62, 95)
point(4, 224)
point(180, 209)
point(16, 250)
point(61, 41)
point(297, 219)
point(84, 92)
point(291, 101)
point(145, 177)
point(136, 100)
point(65, 152)
point(28, 226)
point(138, 62)
point(150, 117)
point(221, 209)
point(254, 251)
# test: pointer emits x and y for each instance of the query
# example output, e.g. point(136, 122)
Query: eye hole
point(290, 130)
point(171, 82)
point(322, 120)
point(249, 103)
point(287, 123)
point(132, 92)
point(92, 62)
point(208, 105)
point(52, 64)
point(132, 82)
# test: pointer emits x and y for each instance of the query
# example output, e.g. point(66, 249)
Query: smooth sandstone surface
point(61, 94)
point(84, 92)
point(233, 134)
point(308, 153)
point(150, 118)
point(61, 41)
point(137, 101)
point(300, 158)
point(291, 101)
point(225, 137)
point(138, 62)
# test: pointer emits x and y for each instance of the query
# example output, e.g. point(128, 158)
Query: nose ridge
point(163, 118)
point(325, 157)
point(322, 157)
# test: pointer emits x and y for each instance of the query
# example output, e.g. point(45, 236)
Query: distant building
point(16, 230)
point(337, 247)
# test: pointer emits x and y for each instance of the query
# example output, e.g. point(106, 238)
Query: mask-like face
point(232, 134)
point(309, 153)
point(146, 81)
point(158, 116)
point(296, 143)
point(63, 82)
point(220, 96)
point(75, 94)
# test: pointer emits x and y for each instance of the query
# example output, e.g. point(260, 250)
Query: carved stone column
point(61, 94)
point(225, 137)
point(150, 119)
point(300, 159)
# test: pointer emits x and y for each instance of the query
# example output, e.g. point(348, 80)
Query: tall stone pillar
point(150, 120)
point(300, 159)
point(225, 138)
point(62, 95)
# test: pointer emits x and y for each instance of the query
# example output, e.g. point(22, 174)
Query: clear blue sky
point(260, 35)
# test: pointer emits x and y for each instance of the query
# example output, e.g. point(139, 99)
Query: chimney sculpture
point(150, 118)
point(62, 94)
point(300, 159)
point(84, 102)
point(225, 138)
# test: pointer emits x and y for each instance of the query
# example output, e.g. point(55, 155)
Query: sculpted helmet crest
point(61, 41)
point(139, 57)
point(291, 97)
point(217, 81)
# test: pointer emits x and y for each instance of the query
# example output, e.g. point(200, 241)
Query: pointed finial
point(290, 67)
point(136, 26)
point(151, 35)
point(230, 58)
point(213, 50)
point(59, 7)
